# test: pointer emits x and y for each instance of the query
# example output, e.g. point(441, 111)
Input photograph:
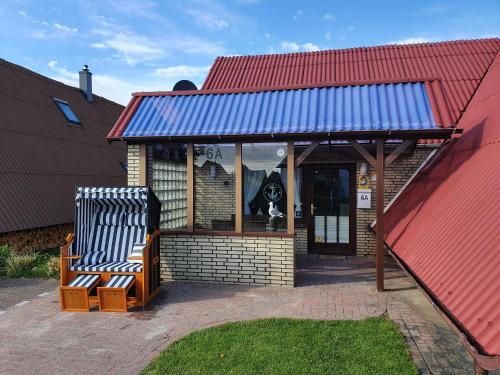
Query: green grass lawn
point(288, 346)
point(44, 264)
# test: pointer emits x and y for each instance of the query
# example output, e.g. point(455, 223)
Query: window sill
point(200, 232)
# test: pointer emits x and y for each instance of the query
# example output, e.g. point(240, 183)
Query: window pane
point(67, 112)
point(169, 182)
point(264, 187)
point(214, 186)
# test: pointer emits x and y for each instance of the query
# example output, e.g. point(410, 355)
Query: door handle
point(312, 209)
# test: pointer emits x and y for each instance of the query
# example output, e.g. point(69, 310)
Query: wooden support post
point(190, 187)
point(238, 174)
point(290, 207)
point(304, 154)
point(380, 216)
point(143, 162)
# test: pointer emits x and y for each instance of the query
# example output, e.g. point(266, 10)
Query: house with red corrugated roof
point(52, 139)
point(340, 152)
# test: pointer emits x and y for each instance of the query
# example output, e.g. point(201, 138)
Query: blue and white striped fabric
point(85, 281)
point(94, 257)
point(120, 281)
point(137, 251)
point(110, 220)
point(110, 217)
point(136, 219)
point(109, 267)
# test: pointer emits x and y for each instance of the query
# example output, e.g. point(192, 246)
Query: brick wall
point(214, 196)
point(133, 165)
point(301, 240)
point(36, 239)
point(396, 175)
point(228, 259)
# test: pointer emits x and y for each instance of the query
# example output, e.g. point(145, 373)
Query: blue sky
point(150, 45)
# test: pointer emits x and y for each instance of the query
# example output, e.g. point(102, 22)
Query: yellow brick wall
point(228, 259)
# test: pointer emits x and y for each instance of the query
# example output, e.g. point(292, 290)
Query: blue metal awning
point(376, 107)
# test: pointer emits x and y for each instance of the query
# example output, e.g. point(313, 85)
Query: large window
point(264, 187)
point(169, 182)
point(214, 186)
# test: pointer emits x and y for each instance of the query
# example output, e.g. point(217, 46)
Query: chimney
point(86, 82)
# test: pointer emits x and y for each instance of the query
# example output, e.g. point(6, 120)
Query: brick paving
point(38, 339)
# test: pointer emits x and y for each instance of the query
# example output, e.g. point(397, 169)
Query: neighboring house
point(52, 139)
point(300, 153)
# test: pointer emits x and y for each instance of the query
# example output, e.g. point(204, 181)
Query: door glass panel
point(344, 205)
point(331, 229)
point(319, 229)
point(331, 205)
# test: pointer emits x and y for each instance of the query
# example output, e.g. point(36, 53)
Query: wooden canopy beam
point(238, 227)
point(398, 151)
point(190, 188)
point(364, 152)
point(380, 215)
point(304, 154)
point(290, 203)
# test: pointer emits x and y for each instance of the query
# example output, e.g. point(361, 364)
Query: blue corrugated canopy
point(392, 106)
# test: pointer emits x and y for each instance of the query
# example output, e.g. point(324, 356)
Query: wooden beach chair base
point(113, 297)
point(75, 295)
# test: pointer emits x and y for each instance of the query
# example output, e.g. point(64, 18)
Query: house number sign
point(364, 198)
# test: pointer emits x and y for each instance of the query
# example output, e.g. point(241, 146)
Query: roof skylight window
point(67, 112)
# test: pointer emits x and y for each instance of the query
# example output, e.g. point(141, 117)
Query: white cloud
point(209, 20)
point(413, 40)
point(298, 14)
point(290, 46)
point(328, 17)
point(133, 48)
point(62, 74)
point(44, 30)
point(295, 47)
point(108, 86)
point(65, 28)
point(328, 35)
point(129, 47)
point(182, 71)
point(310, 47)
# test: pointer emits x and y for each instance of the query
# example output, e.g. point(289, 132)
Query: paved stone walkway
point(38, 339)
point(23, 290)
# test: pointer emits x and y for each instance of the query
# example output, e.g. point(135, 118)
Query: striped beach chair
point(116, 234)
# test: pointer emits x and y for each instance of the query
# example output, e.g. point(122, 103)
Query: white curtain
point(284, 178)
point(298, 188)
point(251, 184)
point(298, 192)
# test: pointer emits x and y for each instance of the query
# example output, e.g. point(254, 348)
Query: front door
point(332, 210)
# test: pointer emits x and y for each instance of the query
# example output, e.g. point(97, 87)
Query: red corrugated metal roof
point(445, 225)
point(42, 157)
point(459, 65)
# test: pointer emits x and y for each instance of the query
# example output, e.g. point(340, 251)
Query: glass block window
point(169, 182)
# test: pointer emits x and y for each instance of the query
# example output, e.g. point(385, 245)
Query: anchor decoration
point(272, 192)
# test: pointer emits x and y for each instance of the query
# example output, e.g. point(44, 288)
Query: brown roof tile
point(42, 157)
